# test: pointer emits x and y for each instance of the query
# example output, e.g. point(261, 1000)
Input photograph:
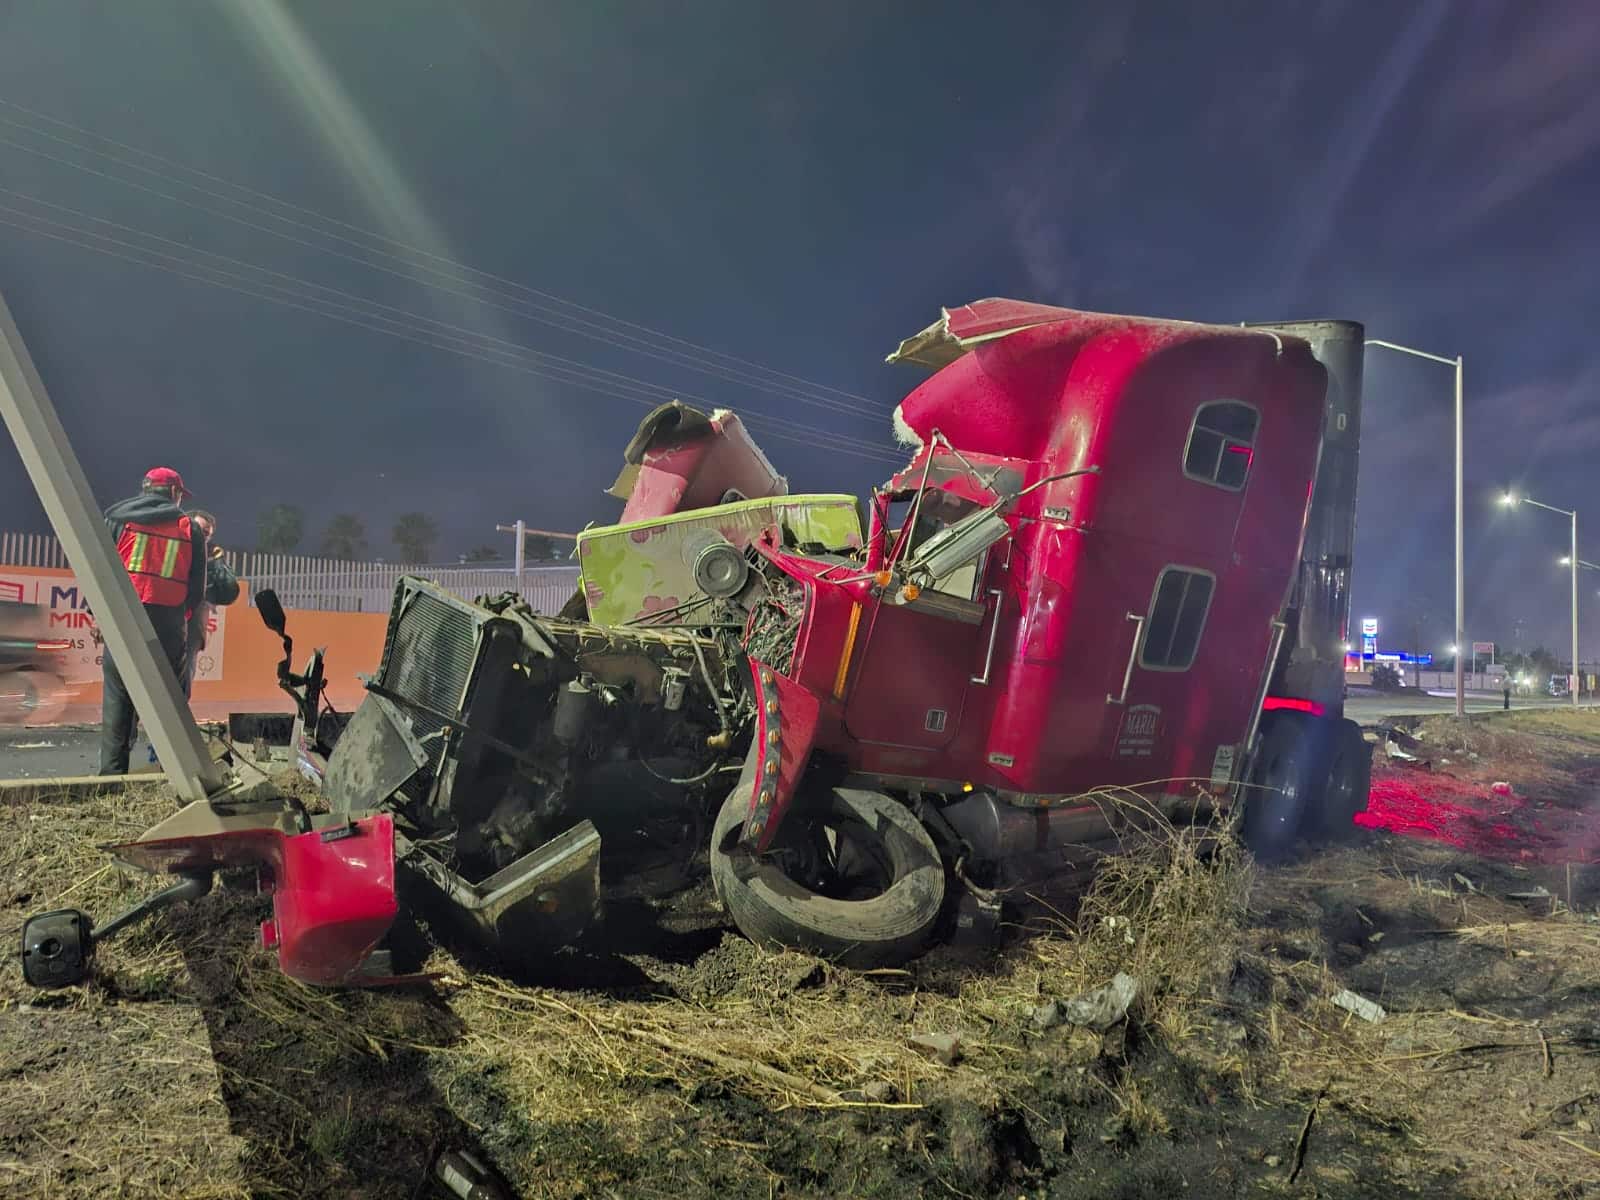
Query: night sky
point(798, 186)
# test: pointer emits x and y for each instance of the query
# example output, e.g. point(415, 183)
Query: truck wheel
point(857, 879)
point(1349, 785)
point(1285, 786)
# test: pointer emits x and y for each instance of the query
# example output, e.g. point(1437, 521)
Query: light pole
point(1461, 584)
point(1512, 500)
point(1566, 561)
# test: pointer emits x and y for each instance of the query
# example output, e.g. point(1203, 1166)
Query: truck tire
point(1287, 785)
point(1349, 783)
point(778, 912)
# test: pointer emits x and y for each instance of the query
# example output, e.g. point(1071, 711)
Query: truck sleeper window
point(1177, 617)
point(1221, 444)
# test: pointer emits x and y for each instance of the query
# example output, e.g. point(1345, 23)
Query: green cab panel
point(631, 572)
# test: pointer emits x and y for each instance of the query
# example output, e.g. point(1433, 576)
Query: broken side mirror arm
point(57, 947)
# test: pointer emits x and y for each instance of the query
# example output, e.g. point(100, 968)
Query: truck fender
point(787, 717)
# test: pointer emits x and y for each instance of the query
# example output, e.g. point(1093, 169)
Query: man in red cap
point(165, 554)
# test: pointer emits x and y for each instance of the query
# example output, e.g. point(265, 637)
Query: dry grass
point(1462, 1082)
point(1516, 740)
point(744, 1072)
point(517, 1065)
point(100, 1094)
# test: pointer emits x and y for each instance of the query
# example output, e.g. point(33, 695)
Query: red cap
point(166, 477)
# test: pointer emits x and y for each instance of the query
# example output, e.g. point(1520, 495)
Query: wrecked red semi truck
point(1112, 578)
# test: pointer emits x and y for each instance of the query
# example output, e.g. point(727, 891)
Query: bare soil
point(678, 1060)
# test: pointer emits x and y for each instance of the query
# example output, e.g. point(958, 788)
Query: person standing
point(222, 589)
point(164, 553)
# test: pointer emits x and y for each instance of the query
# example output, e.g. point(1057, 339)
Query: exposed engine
point(507, 718)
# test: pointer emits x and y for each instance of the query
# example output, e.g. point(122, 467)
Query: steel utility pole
point(1512, 499)
point(523, 534)
point(1587, 566)
point(1461, 575)
point(69, 503)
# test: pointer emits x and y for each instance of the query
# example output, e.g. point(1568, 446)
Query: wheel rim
point(838, 857)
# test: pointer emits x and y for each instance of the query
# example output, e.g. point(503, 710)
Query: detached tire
point(1287, 786)
point(777, 912)
point(1349, 783)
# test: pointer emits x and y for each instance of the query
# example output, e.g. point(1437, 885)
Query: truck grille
point(433, 645)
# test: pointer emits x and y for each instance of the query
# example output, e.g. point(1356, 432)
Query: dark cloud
point(801, 187)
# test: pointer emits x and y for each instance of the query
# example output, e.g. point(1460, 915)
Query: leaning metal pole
point(69, 503)
point(1461, 575)
point(1577, 675)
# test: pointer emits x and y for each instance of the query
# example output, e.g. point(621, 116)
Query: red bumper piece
point(333, 889)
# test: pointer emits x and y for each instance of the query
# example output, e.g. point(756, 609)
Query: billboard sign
point(70, 619)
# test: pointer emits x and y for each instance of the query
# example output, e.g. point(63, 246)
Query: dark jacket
point(148, 508)
point(222, 585)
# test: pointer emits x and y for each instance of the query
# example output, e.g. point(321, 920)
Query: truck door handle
point(1133, 653)
point(994, 629)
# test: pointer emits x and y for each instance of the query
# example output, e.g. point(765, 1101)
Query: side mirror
point(958, 544)
point(271, 611)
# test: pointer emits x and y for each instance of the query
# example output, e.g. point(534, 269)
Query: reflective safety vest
point(158, 558)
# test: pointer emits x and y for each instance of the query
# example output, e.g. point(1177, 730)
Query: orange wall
point(353, 641)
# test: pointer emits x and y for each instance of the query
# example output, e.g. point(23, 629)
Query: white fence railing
point(333, 585)
point(36, 550)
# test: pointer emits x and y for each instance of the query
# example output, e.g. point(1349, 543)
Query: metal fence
point(31, 550)
point(333, 585)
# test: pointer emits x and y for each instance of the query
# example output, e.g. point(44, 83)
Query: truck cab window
point(939, 511)
point(1221, 444)
point(1177, 618)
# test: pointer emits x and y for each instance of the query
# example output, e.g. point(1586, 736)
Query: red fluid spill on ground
point(1472, 817)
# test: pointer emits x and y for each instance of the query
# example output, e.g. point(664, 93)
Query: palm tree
point(279, 529)
point(345, 537)
point(415, 534)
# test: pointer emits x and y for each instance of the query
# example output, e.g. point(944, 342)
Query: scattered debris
point(1048, 1016)
point(1401, 747)
point(1098, 1010)
point(466, 1177)
point(942, 1048)
point(1538, 892)
point(1367, 1010)
point(32, 745)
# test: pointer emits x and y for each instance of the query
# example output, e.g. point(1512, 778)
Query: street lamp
point(1461, 585)
point(1511, 500)
point(1566, 561)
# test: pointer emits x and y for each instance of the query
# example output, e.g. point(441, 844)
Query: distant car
point(1559, 686)
point(32, 691)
